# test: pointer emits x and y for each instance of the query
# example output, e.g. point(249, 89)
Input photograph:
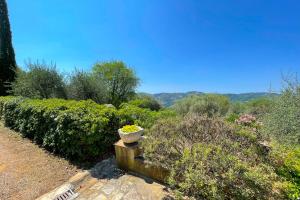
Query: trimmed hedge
point(79, 130)
point(3, 100)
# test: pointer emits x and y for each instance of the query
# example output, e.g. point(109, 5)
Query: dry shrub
point(212, 160)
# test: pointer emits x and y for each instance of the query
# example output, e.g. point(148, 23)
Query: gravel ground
point(26, 170)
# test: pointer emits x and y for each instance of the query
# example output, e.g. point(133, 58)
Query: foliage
point(7, 55)
point(76, 129)
point(260, 106)
point(210, 105)
point(109, 82)
point(283, 121)
point(80, 130)
point(168, 99)
point(41, 81)
point(84, 86)
point(209, 159)
point(3, 101)
point(257, 107)
point(286, 160)
point(119, 80)
point(246, 97)
point(130, 128)
point(237, 108)
point(130, 114)
point(146, 101)
point(232, 118)
point(22, 86)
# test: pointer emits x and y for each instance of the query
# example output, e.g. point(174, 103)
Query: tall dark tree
point(7, 55)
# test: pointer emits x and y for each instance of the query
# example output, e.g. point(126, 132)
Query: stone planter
point(130, 157)
point(131, 137)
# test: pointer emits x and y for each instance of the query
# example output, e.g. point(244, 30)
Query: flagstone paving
point(106, 182)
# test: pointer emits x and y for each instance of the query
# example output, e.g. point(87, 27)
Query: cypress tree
point(7, 55)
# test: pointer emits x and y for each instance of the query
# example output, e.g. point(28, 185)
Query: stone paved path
point(106, 182)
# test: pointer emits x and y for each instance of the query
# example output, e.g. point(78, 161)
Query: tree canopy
point(119, 80)
point(41, 81)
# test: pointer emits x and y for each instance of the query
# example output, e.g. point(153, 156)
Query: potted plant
point(130, 133)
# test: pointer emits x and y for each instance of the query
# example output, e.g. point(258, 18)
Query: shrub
point(209, 159)
point(79, 130)
point(22, 86)
point(84, 86)
point(144, 101)
point(248, 120)
point(286, 160)
point(232, 117)
point(41, 81)
point(76, 129)
point(260, 106)
point(130, 114)
point(283, 121)
point(210, 105)
point(237, 108)
point(3, 101)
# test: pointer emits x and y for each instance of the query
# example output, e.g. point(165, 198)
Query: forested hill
point(168, 99)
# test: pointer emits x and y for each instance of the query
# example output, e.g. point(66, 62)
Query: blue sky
point(173, 45)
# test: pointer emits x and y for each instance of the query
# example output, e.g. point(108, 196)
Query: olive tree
point(119, 80)
point(283, 121)
point(83, 86)
point(40, 81)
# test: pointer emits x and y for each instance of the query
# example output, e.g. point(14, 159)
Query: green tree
point(120, 80)
point(7, 55)
point(84, 86)
point(41, 81)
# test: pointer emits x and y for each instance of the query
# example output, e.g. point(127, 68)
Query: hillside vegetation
point(219, 149)
point(168, 99)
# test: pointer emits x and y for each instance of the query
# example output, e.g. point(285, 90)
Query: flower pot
point(131, 137)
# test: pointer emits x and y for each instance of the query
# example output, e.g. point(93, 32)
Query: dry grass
point(27, 171)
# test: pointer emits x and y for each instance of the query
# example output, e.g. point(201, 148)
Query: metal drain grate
point(68, 195)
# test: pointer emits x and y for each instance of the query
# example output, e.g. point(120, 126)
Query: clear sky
point(173, 45)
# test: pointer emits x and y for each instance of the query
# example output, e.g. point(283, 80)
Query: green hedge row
point(76, 129)
point(80, 130)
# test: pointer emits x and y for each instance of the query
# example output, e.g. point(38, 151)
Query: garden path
point(106, 182)
point(27, 171)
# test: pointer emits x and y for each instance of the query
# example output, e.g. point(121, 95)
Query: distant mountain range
point(168, 99)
